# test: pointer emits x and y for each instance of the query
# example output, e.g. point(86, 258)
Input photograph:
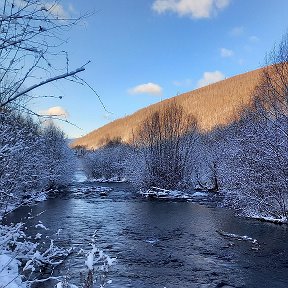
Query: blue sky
point(142, 51)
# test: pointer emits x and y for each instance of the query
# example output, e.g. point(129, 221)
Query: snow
point(41, 197)
point(78, 194)
point(84, 191)
point(9, 275)
point(103, 259)
point(38, 236)
point(90, 258)
point(237, 237)
point(61, 285)
point(152, 241)
point(199, 194)
point(109, 260)
point(89, 261)
point(110, 180)
point(58, 231)
point(282, 220)
point(40, 225)
point(178, 194)
point(160, 193)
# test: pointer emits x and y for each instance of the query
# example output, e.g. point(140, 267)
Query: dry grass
point(213, 105)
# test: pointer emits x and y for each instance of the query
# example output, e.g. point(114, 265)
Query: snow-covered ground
point(282, 220)
point(199, 194)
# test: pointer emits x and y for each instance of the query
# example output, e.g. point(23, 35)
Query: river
point(160, 243)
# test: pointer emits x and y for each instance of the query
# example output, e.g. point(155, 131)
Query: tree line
point(33, 159)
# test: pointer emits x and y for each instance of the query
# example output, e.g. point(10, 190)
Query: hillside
point(212, 105)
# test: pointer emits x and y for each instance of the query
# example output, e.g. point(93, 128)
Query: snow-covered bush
point(136, 170)
point(106, 162)
point(23, 260)
point(201, 172)
point(59, 161)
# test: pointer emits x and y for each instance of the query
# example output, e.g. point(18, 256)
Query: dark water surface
point(160, 243)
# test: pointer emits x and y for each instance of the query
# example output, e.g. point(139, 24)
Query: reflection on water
point(163, 244)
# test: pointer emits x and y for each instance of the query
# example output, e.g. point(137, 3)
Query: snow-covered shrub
point(200, 170)
point(136, 170)
point(96, 164)
point(59, 161)
point(106, 162)
point(23, 260)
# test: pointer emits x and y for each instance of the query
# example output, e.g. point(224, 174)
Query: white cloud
point(210, 77)
point(225, 53)
point(56, 111)
point(237, 31)
point(148, 88)
point(193, 8)
point(56, 9)
point(222, 3)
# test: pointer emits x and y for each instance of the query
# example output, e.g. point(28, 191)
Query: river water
point(160, 243)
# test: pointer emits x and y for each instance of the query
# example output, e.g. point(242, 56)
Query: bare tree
point(272, 92)
point(165, 140)
point(30, 48)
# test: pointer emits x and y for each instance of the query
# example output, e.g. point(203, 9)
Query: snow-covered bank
point(282, 220)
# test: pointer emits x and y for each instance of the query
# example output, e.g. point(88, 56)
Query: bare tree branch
point(65, 75)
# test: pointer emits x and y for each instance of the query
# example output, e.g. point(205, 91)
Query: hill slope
point(212, 105)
